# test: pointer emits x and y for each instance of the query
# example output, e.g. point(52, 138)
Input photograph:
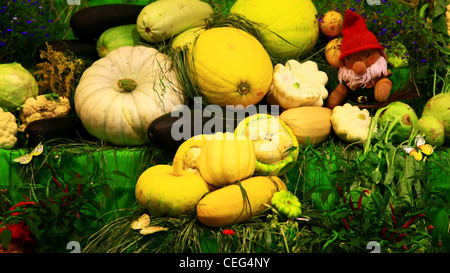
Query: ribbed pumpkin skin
point(294, 20)
point(119, 117)
point(227, 206)
point(309, 121)
point(225, 159)
point(163, 193)
point(230, 67)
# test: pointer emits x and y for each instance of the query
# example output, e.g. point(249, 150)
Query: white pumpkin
point(121, 94)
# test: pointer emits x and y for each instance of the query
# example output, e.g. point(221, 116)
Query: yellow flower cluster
point(59, 72)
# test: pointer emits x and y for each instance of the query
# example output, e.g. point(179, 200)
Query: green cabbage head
point(16, 85)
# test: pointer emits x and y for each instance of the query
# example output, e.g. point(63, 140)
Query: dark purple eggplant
point(168, 131)
point(53, 128)
point(89, 23)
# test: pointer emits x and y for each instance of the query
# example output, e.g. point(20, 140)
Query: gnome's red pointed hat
point(355, 36)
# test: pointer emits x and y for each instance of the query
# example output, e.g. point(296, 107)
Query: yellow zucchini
point(239, 202)
point(313, 122)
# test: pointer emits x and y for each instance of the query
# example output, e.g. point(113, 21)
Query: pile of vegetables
point(148, 62)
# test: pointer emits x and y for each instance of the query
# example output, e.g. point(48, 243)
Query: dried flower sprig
point(59, 72)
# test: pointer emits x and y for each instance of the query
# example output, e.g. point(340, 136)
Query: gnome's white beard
point(353, 80)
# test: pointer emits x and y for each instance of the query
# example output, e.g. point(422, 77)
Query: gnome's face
point(359, 62)
point(363, 68)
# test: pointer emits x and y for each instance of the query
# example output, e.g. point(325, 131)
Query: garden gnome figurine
point(363, 72)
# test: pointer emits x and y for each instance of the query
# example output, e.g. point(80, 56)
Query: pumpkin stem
point(177, 166)
point(243, 88)
point(127, 84)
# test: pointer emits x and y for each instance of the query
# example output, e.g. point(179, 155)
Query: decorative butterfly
point(142, 224)
point(26, 158)
point(421, 148)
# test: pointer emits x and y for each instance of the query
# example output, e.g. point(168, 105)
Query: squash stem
point(243, 88)
point(177, 166)
point(127, 84)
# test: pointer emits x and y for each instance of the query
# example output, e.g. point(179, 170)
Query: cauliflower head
point(43, 107)
point(298, 84)
point(8, 130)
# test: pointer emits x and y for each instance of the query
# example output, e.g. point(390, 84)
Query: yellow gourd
point(230, 67)
point(169, 190)
point(311, 122)
point(225, 159)
point(239, 202)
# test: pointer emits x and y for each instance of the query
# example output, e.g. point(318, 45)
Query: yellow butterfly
point(26, 158)
point(421, 148)
point(142, 224)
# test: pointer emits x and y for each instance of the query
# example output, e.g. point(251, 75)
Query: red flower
point(228, 232)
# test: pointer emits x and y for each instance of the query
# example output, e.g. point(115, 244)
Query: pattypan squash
point(299, 84)
point(350, 123)
point(287, 203)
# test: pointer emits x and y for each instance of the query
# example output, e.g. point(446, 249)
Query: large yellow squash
point(238, 203)
point(289, 28)
point(169, 190)
point(225, 159)
point(230, 67)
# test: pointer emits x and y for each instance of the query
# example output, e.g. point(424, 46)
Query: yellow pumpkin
point(230, 67)
point(169, 190)
point(238, 203)
point(313, 122)
point(226, 159)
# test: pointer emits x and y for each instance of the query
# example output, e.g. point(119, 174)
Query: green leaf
point(317, 230)
point(440, 6)
point(119, 173)
point(439, 24)
point(390, 175)
point(77, 180)
point(54, 208)
point(5, 237)
point(107, 191)
point(33, 227)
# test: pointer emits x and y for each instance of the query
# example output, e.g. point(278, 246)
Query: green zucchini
point(89, 23)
